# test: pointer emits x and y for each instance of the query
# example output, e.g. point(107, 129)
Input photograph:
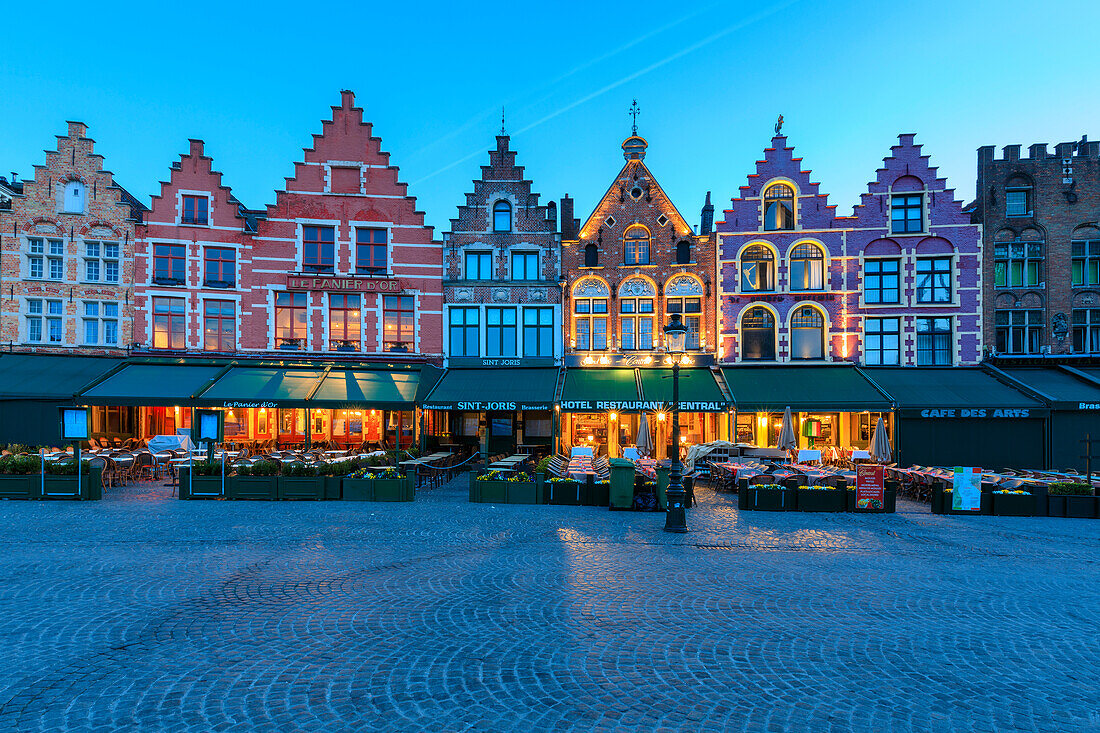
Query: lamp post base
point(675, 516)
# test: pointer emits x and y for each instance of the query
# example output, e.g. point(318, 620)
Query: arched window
point(807, 333)
point(590, 298)
point(591, 256)
point(636, 246)
point(74, 198)
point(758, 335)
point(757, 269)
point(779, 208)
point(502, 216)
point(807, 268)
point(1018, 197)
point(683, 252)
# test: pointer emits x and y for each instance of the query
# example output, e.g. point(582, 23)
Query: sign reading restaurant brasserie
point(488, 406)
point(345, 284)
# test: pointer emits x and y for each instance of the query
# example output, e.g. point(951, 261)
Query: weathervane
point(634, 113)
point(779, 124)
point(502, 121)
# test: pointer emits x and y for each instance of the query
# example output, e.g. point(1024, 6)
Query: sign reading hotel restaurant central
point(345, 284)
point(598, 406)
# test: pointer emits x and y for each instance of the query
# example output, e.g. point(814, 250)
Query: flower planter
point(523, 492)
point(821, 500)
point(357, 489)
point(332, 486)
point(253, 487)
point(771, 500)
point(20, 487)
point(889, 502)
point(302, 487)
point(65, 487)
point(201, 487)
point(564, 493)
point(598, 495)
point(1081, 507)
point(1013, 505)
point(490, 492)
point(394, 489)
point(742, 493)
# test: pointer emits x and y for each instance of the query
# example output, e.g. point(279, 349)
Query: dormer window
point(195, 210)
point(779, 208)
point(502, 216)
point(636, 246)
point(74, 198)
point(1018, 197)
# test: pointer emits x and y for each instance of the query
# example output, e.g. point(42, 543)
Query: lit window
point(757, 269)
point(758, 335)
point(291, 324)
point(169, 323)
point(807, 333)
point(807, 268)
point(398, 323)
point(636, 246)
point(779, 208)
point(343, 322)
point(691, 308)
point(635, 327)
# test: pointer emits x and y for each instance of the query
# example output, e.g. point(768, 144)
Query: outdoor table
point(856, 454)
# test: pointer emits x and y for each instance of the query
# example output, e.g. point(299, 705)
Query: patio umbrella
point(880, 443)
point(786, 439)
point(644, 441)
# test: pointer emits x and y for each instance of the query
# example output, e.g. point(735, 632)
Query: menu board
point(869, 486)
point(967, 494)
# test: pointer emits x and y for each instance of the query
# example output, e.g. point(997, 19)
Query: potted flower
point(300, 481)
point(358, 485)
point(1013, 503)
point(1071, 499)
point(771, 498)
point(564, 491)
point(20, 477)
point(821, 498)
point(203, 480)
point(259, 480)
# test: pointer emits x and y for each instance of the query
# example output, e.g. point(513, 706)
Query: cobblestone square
point(142, 612)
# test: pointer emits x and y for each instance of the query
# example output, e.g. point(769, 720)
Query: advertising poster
point(967, 496)
point(869, 486)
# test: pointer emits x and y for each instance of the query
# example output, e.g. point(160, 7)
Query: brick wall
point(98, 214)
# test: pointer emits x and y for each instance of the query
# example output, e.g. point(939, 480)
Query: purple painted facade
point(898, 282)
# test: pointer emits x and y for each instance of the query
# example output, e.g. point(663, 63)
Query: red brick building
point(341, 264)
point(66, 236)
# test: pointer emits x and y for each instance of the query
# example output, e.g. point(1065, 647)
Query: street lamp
point(675, 516)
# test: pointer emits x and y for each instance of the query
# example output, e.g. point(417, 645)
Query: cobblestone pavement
point(142, 612)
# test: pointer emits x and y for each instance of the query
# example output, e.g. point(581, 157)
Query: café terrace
point(1011, 417)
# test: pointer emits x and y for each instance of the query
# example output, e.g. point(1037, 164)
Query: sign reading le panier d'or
point(344, 284)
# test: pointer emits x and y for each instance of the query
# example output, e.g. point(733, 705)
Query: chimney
point(196, 148)
point(706, 222)
point(569, 225)
point(347, 98)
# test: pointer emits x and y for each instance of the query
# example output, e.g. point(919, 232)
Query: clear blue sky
point(709, 77)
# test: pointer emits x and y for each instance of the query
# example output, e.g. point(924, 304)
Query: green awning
point(699, 391)
point(958, 392)
point(1062, 389)
point(811, 388)
point(478, 390)
point(597, 390)
point(380, 389)
point(248, 386)
point(49, 376)
point(151, 384)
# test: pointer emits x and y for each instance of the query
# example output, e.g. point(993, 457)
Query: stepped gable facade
point(502, 296)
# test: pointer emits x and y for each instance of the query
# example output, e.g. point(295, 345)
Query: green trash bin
point(622, 483)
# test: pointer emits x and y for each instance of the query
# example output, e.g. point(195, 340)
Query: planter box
point(394, 489)
point(1081, 507)
point(523, 492)
point(332, 486)
point(27, 486)
point(743, 493)
point(64, 487)
point(302, 487)
point(598, 495)
point(357, 489)
point(564, 493)
point(1012, 505)
point(490, 492)
point(253, 487)
point(821, 500)
point(771, 500)
point(889, 501)
point(201, 487)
